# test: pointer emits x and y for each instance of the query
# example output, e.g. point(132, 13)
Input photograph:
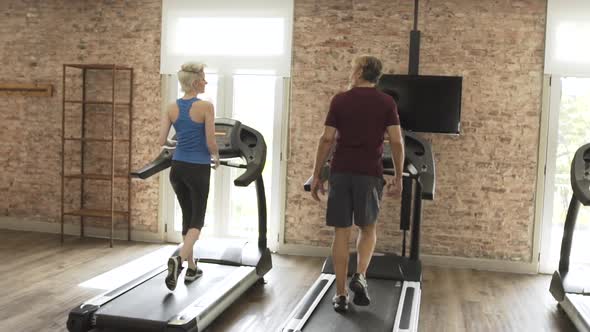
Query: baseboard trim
point(483, 264)
point(24, 224)
point(301, 250)
point(430, 260)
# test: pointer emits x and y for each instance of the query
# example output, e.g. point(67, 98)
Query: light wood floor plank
point(39, 281)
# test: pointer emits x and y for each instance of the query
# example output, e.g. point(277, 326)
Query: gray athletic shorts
point(353, 197)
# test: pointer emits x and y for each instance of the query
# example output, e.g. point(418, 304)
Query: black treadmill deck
point(377, 317)
point(150, 305)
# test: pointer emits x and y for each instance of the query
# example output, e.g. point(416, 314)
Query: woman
point(194, 122)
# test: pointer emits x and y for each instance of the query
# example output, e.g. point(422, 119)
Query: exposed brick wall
point(37, 38)
point(486, 177)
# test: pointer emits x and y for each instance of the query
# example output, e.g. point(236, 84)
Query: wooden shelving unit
point(85, 209)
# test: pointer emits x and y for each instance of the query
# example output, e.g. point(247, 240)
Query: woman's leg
point(199, 193)
point(186, 252)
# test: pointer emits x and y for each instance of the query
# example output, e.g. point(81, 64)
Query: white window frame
point(278, 151)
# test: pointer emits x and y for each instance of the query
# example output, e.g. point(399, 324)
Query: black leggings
point(191, 185)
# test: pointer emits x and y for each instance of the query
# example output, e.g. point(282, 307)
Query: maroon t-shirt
point(361, 116)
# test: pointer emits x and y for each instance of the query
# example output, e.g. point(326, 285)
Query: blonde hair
point(188, 73)
point(371, 67)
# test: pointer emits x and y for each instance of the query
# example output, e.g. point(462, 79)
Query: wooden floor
point(39, 286)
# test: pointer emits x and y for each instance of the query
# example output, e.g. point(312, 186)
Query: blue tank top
point(191, 142)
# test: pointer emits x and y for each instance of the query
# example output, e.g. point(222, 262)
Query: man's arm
point(324, 145)
point(396, 144)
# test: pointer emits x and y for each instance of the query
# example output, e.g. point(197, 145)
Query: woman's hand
point(215, 161)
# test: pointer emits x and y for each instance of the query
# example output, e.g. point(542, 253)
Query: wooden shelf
point(90, 176)
point(116, 105)
point(97, 102)
point(98, 66)
point(27, 89)
point(95, 213)
point(86, 139)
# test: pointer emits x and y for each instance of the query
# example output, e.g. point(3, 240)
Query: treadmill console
point(234, 140)
point(418, 156)
point(580, 174)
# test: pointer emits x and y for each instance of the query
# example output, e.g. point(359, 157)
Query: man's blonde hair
point(370, 66)
point(188, 73)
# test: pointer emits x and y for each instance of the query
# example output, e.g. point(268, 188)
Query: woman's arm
point(210, 133)
point(165, 124)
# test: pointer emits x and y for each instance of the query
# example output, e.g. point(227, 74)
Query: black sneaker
point(340, 303)
point(192, 275)
point(358, 285)
point(174, 269)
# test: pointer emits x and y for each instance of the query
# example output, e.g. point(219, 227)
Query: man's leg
point(367, 196)
point(340, 258)
point(339, 216)
point(365, 246)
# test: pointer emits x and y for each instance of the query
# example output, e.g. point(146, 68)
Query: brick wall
point(485, 177)
point(37, 38)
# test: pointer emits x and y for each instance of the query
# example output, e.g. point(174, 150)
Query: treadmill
point(146, 304)
point(394, 281)
point(570, 286)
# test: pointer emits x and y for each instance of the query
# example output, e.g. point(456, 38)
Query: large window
point(254, 105)
point(569, 130)
point(228, 35)
point(233, 36)
point(247, 47)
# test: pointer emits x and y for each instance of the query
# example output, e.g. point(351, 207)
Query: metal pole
point(113, 156)
point(568, 234)
point(130, 131)
point(63, 149)
point(82, 150)
point(415, 245)
point(261, 200)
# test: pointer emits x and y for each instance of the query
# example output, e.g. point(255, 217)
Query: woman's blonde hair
point(188, 73)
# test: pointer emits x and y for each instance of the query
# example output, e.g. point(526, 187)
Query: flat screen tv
point(429, 104)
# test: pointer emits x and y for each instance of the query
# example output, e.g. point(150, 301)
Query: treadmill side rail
point(308, 303)
point(577, 307)
point(82, 319)
point(406, 319)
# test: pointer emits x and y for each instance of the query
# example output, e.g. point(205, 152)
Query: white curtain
point(228, 35)
point(567, 43)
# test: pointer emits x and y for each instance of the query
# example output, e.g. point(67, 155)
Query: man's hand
point(394, 187)
point(317, 185)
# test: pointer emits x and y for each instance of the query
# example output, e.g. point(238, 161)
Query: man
point(361, 116)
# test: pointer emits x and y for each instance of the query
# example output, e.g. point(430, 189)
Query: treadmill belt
point(379, 316)
point(150, 305)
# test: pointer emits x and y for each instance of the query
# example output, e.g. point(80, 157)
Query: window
point(248, 46)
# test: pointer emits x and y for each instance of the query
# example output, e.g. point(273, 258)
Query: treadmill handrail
point(245, 142)
point(580, 174)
